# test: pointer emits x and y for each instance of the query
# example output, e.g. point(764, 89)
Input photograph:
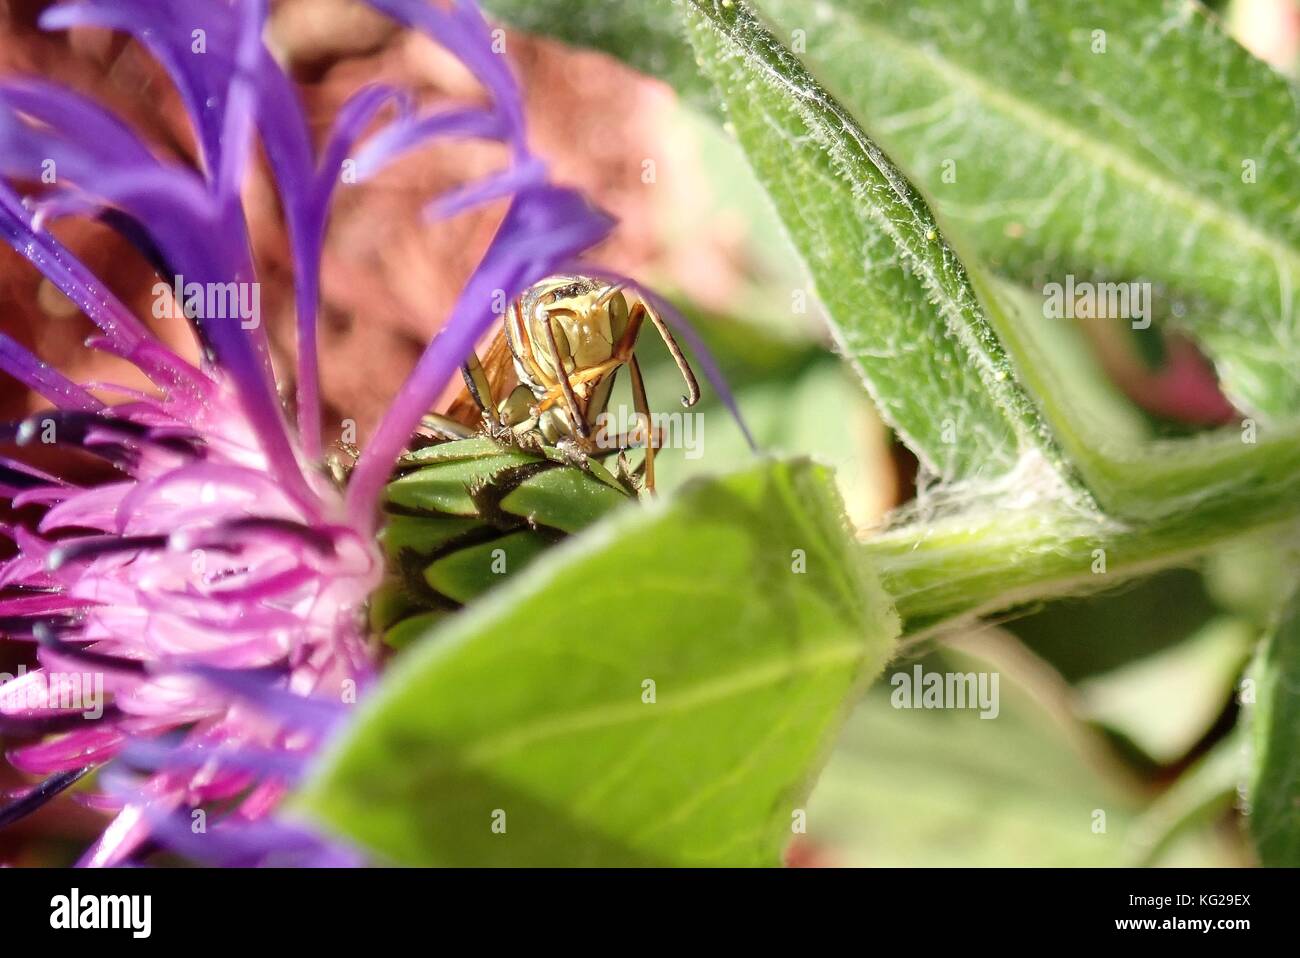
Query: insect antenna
point(610, 294)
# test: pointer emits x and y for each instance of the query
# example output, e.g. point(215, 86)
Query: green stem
point(989, 558)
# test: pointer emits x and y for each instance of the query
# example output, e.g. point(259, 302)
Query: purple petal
point(464, 32)
point(44, 380)
point(125, 333)
point(522, 176)
point(18, 477)
point(308, 713)
point(170, 754)
point(201, 234)
point(408, 133)
point(168, 31)
point(74, 751)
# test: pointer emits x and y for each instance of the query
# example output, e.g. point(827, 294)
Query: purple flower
point(214, 591)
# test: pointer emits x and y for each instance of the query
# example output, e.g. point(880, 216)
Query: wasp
point(547, 376)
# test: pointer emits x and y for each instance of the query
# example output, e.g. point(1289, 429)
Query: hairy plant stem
point(991, 559)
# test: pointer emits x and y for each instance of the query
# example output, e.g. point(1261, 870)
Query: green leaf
point(811, 154)
point(926, 786)
point(1274, 787)
point(532, 701)
point(1129, 140)
point(788, 417)
point(902, 308)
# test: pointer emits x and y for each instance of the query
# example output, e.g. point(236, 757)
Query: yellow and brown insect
point(554, 363)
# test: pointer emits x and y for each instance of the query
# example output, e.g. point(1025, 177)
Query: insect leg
point(642, 405)
point(570, 399)
point(625, 441)
point(440, 427)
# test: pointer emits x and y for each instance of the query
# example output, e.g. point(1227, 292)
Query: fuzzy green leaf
point(902, 307)
point(1130, 140)
point(533, 702)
